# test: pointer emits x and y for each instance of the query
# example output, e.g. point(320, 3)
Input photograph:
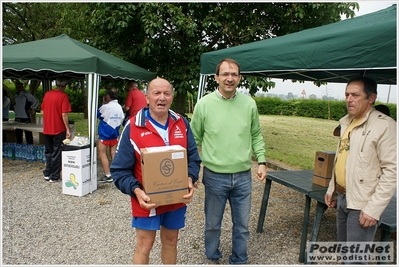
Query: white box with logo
point(76, 170)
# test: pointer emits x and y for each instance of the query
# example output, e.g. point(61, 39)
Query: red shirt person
point(135, 99)
point(55, 109)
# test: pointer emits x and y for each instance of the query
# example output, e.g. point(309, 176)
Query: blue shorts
point(172, 220)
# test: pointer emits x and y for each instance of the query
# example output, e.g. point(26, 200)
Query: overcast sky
point(337, 90)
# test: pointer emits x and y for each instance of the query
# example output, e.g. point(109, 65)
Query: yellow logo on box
point(72, 182)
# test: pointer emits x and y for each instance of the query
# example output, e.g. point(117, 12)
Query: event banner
point(350, 252)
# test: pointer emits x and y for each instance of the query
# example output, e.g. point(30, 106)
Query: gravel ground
point(42, 226)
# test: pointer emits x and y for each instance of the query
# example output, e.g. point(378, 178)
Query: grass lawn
point(295, 140)
point(289, 140)
point(81, 125)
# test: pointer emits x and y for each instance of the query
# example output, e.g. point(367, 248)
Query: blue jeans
point(220, 187)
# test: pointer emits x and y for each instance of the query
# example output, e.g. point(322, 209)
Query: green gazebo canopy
point(364, 45)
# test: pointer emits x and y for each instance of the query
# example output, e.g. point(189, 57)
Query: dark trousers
point(20, 136)
point(349, 228)
point(53, 154)
point(20, 133)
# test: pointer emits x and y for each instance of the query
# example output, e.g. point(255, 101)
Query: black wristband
point(262, 163)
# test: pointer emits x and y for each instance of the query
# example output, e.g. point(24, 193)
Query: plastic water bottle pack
point(26, 152)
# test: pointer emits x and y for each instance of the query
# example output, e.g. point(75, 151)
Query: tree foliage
point(168, 38)
point(31, 21)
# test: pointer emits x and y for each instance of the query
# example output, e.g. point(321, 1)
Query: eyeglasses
point(227, 74)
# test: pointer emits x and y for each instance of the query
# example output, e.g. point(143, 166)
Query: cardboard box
point(10, 135)
point(323, 164)
point(321, 181)
point(165, 174)
point(76, 170)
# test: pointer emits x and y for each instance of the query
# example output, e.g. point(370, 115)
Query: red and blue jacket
point(140, 133)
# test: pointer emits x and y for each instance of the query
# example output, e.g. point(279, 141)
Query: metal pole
point(389, 93)
point(93, 88)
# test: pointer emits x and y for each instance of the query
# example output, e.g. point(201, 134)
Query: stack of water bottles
point(26, 152)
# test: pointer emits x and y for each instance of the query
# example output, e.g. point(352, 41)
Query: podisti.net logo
point(350, 252)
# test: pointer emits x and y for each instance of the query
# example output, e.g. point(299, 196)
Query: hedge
point(314, 108)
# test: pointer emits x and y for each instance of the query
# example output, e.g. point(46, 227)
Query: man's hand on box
point(190, 190)
point(143, 198)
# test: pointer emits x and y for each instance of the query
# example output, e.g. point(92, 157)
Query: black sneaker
point(103, 179)
point(109, 179)
point(53, 181)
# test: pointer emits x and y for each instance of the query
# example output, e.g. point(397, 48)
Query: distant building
point(288, 96)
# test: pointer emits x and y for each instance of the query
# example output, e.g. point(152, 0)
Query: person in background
point(25, 104)
point(55, 109)
point(6, 111)
point(226, 124)
point(113, 89)
point(135, 100)
point(364, 174)
point(384, 109)
point(155, 125)
point(111, 116)
point(6, 105)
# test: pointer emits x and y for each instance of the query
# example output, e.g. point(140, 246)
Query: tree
point(327, 96)
point(31, 21)
point(168, 38)
point(26, 22)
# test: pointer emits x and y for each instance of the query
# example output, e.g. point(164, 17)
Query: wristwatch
point(262, 163)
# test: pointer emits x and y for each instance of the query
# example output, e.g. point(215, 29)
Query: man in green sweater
point(226, 124)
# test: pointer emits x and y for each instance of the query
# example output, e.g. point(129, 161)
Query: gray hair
point(132, 83)
point(61, 81)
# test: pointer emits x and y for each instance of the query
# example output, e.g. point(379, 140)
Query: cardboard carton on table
point(323, 166)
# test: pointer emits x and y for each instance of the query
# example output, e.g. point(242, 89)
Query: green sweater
point(228, 130)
